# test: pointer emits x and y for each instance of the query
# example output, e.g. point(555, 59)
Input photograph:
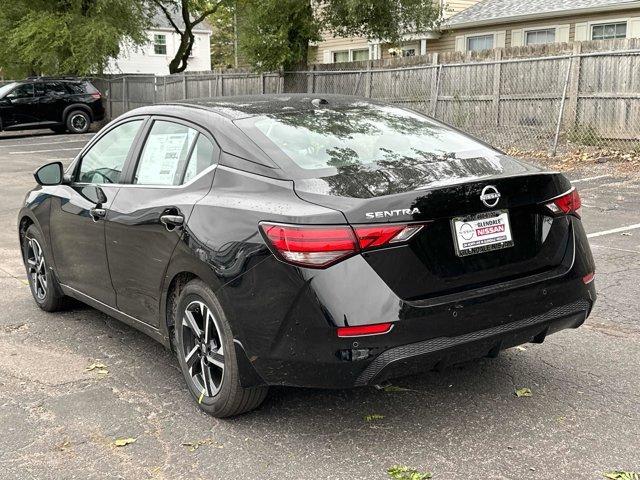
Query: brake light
point(362, 330)
point(322, 246)
point(588, 278)
point(568, 203)
point(96, 95)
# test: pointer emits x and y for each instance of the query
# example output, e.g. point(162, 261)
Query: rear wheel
point(78, 121)
point(44, 286)
point(206, 353)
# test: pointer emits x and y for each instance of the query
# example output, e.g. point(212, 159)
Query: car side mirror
point(49, 174)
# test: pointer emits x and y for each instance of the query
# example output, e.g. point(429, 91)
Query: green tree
point(277, 33)
point(191, 14)
point(76, 37)
point(223, 37)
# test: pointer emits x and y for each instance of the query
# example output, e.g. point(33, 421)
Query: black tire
point(44, 286)
point(78, 121)
point(59, 129)
point(230, 398)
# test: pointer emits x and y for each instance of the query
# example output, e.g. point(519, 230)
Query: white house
point(154, 56)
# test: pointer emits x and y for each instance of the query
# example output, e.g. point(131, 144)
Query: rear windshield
point(363, 135)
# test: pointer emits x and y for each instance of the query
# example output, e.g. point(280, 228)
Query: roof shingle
point(488, 10)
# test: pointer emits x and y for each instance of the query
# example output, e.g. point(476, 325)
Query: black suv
point(56, 103)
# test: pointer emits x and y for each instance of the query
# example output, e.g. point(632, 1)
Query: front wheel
point(44, 286)
point(206, 353)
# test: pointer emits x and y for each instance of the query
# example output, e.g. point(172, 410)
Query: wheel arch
point(76, 106)
point(26, 218)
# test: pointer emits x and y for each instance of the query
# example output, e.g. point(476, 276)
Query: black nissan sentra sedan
point(319, 242)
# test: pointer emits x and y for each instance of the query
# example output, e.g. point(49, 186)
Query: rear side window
point(81, 88)
point(202, 158)
point(54, 88)
point(104, 161)
point(165, 154)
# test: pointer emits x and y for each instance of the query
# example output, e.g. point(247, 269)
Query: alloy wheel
point(78, 122)
point(37, 269)
point(202, 348)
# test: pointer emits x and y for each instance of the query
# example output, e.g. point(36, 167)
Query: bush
point(584, 135)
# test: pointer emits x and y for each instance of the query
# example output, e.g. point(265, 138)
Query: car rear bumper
point(286, 320)
point(436, 352)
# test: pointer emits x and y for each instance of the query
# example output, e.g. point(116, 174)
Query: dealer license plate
point(480, 233)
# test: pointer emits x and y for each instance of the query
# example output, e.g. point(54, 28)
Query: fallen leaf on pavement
point(375, 416)
point(521, 348)
point(94, 366)
point(121, 442)
point(102, 371)
point(398, 472)
point(621, 475)
point(523, 392)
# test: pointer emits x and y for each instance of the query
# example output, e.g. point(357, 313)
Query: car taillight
point(322, 246)
point(568, 203)
point(96, 95)
point(364, 330)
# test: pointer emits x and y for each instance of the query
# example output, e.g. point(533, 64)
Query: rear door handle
point(97, 213)
point(172, 221)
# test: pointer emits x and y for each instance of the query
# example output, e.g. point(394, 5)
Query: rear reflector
point(568, 203)
point(588, 278)
point(363, 330)
point(322, 246)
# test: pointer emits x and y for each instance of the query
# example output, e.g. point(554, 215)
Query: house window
point(408, 52)
point(479, 42)
point(606, 31)
point(341, 56)
point(160, 44)
point(540, 37)
point(358, 55)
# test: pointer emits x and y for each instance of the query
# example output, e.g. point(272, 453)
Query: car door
point(20, 106)
point(77, 214)
point(144, 223)
point(51, 101)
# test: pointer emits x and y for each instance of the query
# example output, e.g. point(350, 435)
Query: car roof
point(236, 107)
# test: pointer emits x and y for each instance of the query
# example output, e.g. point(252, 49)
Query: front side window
point(165, 154)
point(6, 88)
point(22, 91)
point(608, 31)
point(160, 44)
point(342, 56)
point(479, 42)
point(104, 162)
point(540, 37)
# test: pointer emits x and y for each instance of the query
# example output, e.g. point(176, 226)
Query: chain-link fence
point(548, 104)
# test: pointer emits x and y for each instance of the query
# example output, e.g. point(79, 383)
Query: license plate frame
point(497, 233)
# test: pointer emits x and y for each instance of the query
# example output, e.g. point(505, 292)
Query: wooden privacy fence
point(566, 99)
point(526, 103)
point(132, 91)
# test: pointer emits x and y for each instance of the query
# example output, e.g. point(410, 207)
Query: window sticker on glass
point(164, 154)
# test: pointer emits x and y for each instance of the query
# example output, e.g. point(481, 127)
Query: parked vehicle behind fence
point(61, 104)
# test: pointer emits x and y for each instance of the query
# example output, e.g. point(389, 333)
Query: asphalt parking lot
point(59, 421)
